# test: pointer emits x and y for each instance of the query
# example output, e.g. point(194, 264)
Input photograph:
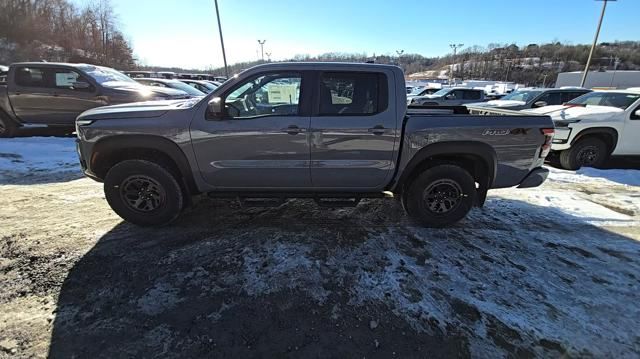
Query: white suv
point(594, 126)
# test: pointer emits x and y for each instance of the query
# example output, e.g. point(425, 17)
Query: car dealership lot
point(540, 272)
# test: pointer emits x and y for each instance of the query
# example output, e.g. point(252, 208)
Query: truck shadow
point(302, 282)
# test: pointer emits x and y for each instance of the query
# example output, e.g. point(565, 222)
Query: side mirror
point(637, 114)
point(214, 108)
point(540, 104)
point(80, 85)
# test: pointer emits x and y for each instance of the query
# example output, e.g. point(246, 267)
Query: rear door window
point(471, 95)
point(352, 93)
point(551, 98)
point(31, 77)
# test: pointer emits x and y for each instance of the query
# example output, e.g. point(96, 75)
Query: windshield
point(179, 85)
point(209, 85)
point(442, 92)
point(523, 95)
point(106, 76)
point(612, 99)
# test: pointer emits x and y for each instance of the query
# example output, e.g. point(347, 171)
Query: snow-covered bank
point(37, 154)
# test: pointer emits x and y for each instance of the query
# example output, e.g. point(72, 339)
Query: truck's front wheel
point(440, 196)
point(589, 152)
point(143, 193)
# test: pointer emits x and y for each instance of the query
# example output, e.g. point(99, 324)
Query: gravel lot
point(543, 272)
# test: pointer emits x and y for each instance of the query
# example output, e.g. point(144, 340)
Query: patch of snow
point(29, 154)
point(587, 174)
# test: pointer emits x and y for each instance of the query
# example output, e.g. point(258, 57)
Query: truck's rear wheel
point(440, 196)
point(588, 152)
point(143, 193)
point(7, 127)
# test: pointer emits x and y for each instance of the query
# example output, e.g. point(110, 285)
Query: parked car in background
point(3, 73)
point(264, 134)
point(44, 94)
point(172, 84)
point(422, 91)
point(453, 96)
point(167, 74)
point(594, 126)
point(201, 85)
point(141, 74)
point(534, 98)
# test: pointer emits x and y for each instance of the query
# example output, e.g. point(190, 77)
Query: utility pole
point(224, 56)
point(399, 52)
point(595, 41)
point(261, 42)
point(455, 51)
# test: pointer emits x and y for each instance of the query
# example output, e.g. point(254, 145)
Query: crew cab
point(595, 126)
point(334, 132)
point(534, 98)
point(454, 96)
point(44, 94)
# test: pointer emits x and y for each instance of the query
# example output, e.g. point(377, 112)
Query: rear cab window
point(352, 93)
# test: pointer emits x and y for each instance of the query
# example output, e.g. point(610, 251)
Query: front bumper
point(535, 178)
point(83, 164)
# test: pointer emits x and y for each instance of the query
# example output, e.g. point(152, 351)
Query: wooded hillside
point(57, 30)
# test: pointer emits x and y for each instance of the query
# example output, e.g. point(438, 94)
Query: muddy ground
point(537, 273)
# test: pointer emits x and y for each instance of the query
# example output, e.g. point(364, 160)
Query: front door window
point(267, 95)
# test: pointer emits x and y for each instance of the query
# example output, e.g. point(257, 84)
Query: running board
point(337, 202)
point(261, 202)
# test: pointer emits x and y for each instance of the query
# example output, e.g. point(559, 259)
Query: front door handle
point(293, 130)
point(377, 130)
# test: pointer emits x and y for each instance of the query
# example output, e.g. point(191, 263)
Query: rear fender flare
point(451, 150)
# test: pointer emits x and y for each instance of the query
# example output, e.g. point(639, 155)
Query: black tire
point(143, 193)
point(440, 196)
point(7, 127)
point(588, 152)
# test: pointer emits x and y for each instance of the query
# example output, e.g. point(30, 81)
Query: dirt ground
point(546, 272)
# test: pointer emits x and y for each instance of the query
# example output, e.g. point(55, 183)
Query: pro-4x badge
point(496, 132)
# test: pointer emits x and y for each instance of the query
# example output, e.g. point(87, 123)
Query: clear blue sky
point(184, 33)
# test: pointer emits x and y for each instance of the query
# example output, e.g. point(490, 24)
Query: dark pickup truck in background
point(41, 94)
point(329, 131)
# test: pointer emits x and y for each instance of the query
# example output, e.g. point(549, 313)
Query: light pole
point(455, 50)
point(399, 52)
point(268, 53)
point(595, 41)
point(261, 42)
point(224, 56)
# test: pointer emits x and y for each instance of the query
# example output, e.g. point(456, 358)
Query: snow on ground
point(29, 156)
point(541, 272)
point(608, 176)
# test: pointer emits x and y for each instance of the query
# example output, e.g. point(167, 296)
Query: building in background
point(600, 79)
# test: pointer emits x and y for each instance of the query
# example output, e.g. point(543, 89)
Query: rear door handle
point(377, 130)
point(293, 130)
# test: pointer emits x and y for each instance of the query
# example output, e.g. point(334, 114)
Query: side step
point(337, 202)
point(274, 199)
point(262, 202)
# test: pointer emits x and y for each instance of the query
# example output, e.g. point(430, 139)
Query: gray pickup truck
point(329, 131)
point(46, 94)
